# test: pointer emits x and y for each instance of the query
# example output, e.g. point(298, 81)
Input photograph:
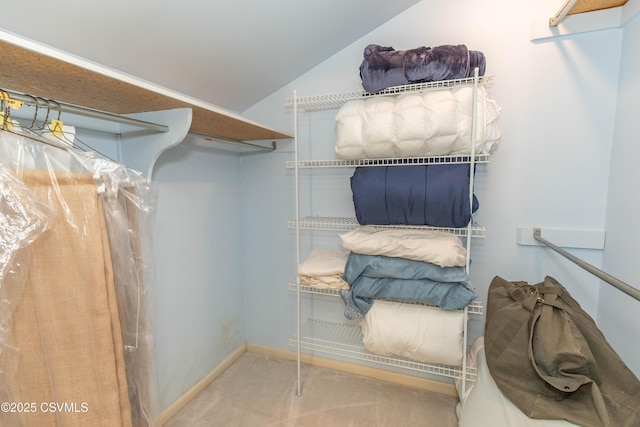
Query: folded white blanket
point(323, 268)
point(431, 123)
point(420, 333)
point(444, 250)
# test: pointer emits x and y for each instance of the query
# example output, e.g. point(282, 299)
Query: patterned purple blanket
point(384, 67)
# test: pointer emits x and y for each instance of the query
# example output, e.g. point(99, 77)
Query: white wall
point(558, 100)
point(267, 207)
point(199, 262)
point(617, 313)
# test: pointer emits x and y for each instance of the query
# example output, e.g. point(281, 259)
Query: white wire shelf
point(474, 308)
point(331, 223)
point(335, 100)
point(417, 161)
point(346, 341)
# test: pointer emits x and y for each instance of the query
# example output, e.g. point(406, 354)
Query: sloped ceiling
point(229, 53)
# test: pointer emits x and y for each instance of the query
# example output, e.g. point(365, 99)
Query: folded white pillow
point(444, 250)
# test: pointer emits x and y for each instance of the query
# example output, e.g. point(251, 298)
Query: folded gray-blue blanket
point(384, 67)
point(399, 279)
point(434, 195)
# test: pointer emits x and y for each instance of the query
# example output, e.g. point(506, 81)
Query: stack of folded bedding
point(403, 265)
point(323, 269)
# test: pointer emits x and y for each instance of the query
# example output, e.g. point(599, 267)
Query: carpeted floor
point(260, 391)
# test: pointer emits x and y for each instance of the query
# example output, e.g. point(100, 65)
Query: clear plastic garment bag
point(76, 337)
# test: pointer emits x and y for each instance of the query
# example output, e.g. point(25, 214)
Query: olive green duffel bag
point(548, 357)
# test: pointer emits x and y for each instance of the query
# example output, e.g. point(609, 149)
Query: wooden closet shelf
point(40, 75)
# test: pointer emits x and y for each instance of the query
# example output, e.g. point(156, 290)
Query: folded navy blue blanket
point(399, 279)
point(384, 67)
point(434, 195)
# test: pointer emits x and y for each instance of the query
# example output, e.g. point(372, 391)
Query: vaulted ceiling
point(230, 53)
point(218, 56)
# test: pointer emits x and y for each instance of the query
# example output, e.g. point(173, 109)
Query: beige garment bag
point(66, 325)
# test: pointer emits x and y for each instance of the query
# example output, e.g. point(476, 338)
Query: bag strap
point(525, 295)
point(529, 296)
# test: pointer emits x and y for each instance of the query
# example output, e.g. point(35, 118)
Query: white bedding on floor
point(445, 250)
point(323, 269)
point(483, 405)
point(416, 332)
point(423, 124)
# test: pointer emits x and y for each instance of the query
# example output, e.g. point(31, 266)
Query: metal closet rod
point(83, 111)
point(40, 102)
point(615, 282)
point(233, 141)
